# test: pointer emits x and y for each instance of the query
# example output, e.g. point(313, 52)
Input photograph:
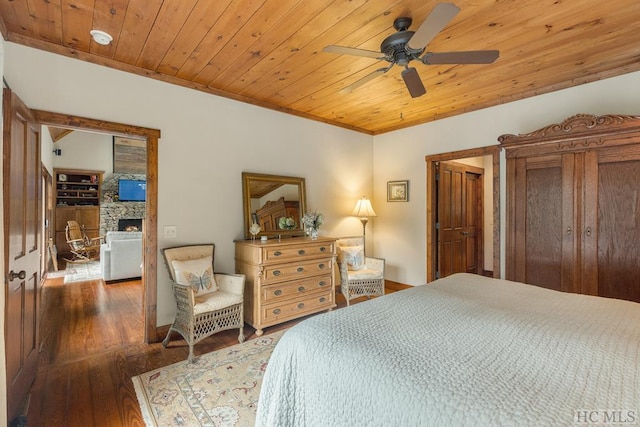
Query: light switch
point(170, 231)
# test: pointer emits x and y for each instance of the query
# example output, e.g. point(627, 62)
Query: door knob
point(13, 275)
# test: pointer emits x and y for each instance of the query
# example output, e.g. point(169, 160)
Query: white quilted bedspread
point(465, 350)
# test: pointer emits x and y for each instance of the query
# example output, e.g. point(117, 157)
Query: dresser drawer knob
point(278, 292)
point(277, 253)
point(276, 311)
point(276, 272)
point(301, 289)
point(323, 249)
point(301, 252)
point(300, 270)
point(323, 299)
point(321, 266)
point(301, 305)
point(322, 283)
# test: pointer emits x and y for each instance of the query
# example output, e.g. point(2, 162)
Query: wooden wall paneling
point(269, 52)
point(129, 155)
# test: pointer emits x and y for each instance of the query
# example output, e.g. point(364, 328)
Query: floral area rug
point(80, 272)
point(219, 389)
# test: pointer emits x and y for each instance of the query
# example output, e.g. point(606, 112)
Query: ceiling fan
point(405, 46)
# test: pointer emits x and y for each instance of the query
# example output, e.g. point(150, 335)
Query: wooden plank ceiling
point(269, 52)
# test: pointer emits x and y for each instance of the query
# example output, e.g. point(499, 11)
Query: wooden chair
point(360, 275)
point(205, 305)
point(83, 248)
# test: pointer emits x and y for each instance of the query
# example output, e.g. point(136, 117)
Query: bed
point(463, 350)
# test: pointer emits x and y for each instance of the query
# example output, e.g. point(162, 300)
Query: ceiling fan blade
point(365, 79)
point(469, 57)
point(342, 50)
point(441, 15)
point(413, 82)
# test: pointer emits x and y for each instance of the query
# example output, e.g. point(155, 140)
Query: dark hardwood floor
point(91, 346)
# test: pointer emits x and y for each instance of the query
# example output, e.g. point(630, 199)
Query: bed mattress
point(464, 350)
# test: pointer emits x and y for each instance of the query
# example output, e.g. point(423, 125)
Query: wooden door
point(542, 244)
point(611, 232)
point(21, 147)
point(459, 219)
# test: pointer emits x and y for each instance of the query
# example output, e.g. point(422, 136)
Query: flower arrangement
point(286, 223)
point(312, 221)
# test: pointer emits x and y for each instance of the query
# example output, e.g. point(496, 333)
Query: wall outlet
point(170, 231)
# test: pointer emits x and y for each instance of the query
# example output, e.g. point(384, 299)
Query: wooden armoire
point(573, 206)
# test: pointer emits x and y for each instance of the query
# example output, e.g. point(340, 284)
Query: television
point(132, 191)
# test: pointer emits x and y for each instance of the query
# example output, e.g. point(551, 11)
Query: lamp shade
point(363, 208)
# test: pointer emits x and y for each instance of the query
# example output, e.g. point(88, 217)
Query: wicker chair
point(359, 275)
point(199, 315)
point(83, 248)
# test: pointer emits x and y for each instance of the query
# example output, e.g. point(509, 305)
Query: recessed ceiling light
point(101, 37)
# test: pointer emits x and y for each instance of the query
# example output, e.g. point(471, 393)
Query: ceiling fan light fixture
point(101, 37)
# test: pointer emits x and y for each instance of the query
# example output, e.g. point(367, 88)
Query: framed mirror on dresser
point(287, 274)
point(268, 198)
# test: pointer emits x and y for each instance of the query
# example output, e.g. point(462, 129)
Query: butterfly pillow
point(197, 273)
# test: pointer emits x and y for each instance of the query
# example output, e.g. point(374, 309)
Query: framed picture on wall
point(397, 191)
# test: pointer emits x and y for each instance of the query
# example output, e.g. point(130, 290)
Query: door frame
point(150, 227)
point(432, 244)
point(46, 180)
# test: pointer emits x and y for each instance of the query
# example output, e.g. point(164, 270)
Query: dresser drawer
point(291, 253)
point(297, 288)
point(276, 313)
point(295, 270)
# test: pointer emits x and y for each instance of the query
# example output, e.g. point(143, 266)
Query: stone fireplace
point(112, 210)
point(130, 224)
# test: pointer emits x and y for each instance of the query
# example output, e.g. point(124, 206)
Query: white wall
point(206, 143)
point(85, 150)
point(46, 149)
point(400, 228)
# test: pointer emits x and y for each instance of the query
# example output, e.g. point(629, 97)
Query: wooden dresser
point(286, 279)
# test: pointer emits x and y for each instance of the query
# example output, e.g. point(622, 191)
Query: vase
point(314, 233)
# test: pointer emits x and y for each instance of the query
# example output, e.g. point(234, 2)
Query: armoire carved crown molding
point(576, 132)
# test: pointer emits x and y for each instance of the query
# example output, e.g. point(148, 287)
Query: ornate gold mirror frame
point(267, 198)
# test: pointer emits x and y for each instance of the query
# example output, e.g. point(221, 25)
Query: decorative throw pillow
point(353, 256)
point(197, 273)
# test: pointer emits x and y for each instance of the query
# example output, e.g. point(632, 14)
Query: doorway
point(492, 231)
point(459, 218)
point(150, 246)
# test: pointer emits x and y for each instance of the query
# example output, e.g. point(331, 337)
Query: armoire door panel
point(543, 254)
point(617, 232)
